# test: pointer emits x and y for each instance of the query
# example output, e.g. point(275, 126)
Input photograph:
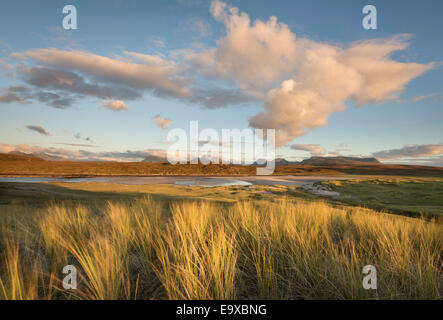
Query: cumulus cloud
point(316, 79)
point(313, 149)
point(162, 122)
point(38, 129)
point(254, 54)
point(330, 76)
point(116, 105)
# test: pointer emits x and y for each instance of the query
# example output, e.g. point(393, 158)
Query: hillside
point(328, 161)
point(25, 165)
point(18, 156)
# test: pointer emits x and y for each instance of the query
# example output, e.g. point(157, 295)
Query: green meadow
point(410, 196)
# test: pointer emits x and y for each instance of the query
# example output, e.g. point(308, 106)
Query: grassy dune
point(273, 249)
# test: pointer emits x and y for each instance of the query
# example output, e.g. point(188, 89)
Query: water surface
point(187, 181)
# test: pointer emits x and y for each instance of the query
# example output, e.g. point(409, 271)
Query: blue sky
point(402, 125)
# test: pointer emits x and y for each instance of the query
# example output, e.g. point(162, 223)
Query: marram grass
point(203, 250)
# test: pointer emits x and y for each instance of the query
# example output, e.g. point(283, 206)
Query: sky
point(114, 87)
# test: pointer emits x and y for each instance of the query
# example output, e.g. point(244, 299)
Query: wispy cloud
point(415, 151)
point(197, 26)
point(420, 98)
point(313, 149)
point(38, 129)
point(77, 144)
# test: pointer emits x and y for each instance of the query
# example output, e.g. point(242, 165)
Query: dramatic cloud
point(162, 122)
point(148, 73)
point(67, 81)
point(300, 82)
point(416, 151)
point(38, 129)
point(256, 54)
point(328, 77)
point(315, 79)
point(313, 149)
point(116, 105)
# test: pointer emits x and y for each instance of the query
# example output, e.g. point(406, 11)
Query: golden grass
point(204, 250)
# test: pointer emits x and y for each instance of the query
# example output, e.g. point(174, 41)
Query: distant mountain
point(38, 155)
point(154, 159)
point(278, 162)
point(283, 161)
point(18, 156)
point(331, 161)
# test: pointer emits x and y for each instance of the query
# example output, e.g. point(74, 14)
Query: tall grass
point(204, 250)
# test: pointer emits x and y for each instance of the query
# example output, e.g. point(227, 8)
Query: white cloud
point(254, 54)
point(328, 77)
point(302, 82)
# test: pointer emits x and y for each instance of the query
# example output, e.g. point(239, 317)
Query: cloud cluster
point(328, 77)
point(300, 82)
point(61, 77)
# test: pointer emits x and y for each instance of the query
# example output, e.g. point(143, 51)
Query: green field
point(410, 196)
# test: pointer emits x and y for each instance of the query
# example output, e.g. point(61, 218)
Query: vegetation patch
point(413, 196)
